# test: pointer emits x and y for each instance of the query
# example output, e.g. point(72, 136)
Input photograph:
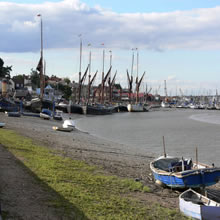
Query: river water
point(141, 133)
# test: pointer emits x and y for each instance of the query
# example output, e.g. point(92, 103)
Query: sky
point(176, 40)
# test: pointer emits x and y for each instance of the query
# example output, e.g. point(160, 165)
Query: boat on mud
point(183, 173)
point(45, 114)
point(2, 124)
point(198, 206)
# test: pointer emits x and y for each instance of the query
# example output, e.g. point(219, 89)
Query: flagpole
point(42, 64)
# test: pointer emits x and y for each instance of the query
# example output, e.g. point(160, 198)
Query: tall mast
point(80, 66)
point(41, 58)
point(132, 62)
point(109, 80)
point(103, 69)
point(165, 88)
point(89, 86)
point(137, 86)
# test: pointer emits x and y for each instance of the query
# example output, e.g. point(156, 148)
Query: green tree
point(18, 77)
point(35, 78)
point(67, 80)
point(66, 90)
point(4, 71)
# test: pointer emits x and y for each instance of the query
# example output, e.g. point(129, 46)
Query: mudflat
point(20, 193)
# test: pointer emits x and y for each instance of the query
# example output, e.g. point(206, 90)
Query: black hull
point(75, 108)
point(61, 108)
point(121, 108)
point(97, 110)
point(38, 105)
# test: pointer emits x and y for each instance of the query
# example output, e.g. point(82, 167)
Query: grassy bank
point(77, 184)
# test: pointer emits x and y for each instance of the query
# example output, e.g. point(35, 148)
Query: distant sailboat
point(137, 107)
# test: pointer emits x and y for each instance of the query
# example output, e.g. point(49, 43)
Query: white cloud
point(63, 21)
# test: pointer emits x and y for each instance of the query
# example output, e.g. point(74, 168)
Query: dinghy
point(198, 206)
point(68, 124)
point(2, 124)
point(45, 114)
point(183, 173)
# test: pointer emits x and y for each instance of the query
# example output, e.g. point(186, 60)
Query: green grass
point(82, 188)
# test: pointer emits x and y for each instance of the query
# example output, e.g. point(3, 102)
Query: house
point(18, 81)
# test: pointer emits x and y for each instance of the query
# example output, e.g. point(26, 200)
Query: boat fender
point(159, 183)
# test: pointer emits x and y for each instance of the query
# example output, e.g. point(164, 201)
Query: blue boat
point(183, 173)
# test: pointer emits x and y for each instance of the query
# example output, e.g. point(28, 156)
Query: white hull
point(2, 125)
point(165, 105)
point(198, 206)
point(135, 108)
point(44, 116)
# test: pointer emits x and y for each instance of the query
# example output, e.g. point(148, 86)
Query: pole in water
point(164, 149)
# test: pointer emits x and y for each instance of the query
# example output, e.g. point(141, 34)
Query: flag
point(40, 65)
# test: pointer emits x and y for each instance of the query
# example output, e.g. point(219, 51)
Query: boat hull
point(2, 124)
point(195, 205)
point(135, 108)
point(98, 110)
point(177, 173)
point(195, 179)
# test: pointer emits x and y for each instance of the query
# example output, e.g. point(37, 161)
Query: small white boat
point(135, 108)
point(68, 124)
point(2, 124)
point(44, 116)
point(58, 115)
point(165, 105)
point(197, 206)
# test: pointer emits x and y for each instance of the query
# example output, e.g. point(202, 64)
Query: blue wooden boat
point(198, 206)
point(45, 114)
point(183, 173)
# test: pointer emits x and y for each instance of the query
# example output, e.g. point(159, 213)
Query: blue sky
point(177, 40)
point(124, 6)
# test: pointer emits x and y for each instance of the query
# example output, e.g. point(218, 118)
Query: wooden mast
point(137, 88)
point(103, 83)
point(130, 79)
point(41, 65)
point(80, 64)
point(109, 79)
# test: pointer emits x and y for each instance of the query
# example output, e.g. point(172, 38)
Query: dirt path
point(20, 194)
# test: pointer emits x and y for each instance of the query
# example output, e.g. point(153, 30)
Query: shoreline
point(93, 150)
